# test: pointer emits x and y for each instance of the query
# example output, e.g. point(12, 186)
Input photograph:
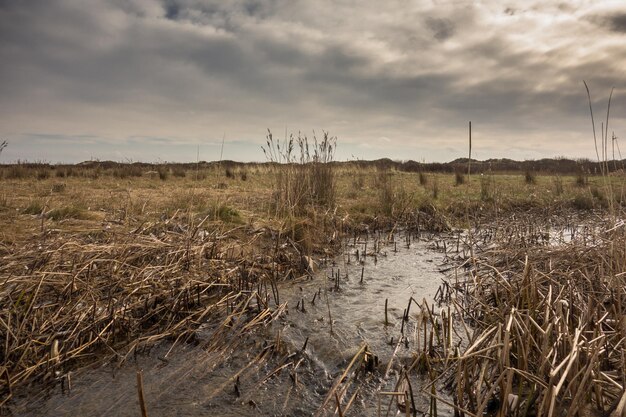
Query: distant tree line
point(546, 165)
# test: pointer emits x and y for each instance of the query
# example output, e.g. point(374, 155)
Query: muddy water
point(307, 356)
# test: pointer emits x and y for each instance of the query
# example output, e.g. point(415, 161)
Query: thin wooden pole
point(469, 160)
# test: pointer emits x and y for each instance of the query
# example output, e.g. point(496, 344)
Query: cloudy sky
point(156, 80)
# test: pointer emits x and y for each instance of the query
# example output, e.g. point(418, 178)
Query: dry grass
point(108, 266)
point(252, 192)
point(544, 324)
point(71, 298)
point(109, 263)
point(303, 173)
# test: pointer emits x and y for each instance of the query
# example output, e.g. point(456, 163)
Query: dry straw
point(73, 299)
point(548, 323)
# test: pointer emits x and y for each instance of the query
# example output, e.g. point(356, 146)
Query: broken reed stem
point(338, 405)
point(140, 395)
point(341, 379)
point(330, 317)
point(549, 330)
point(386, 317)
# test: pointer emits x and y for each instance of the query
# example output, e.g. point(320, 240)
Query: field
point(101, 262)
point(129, 196)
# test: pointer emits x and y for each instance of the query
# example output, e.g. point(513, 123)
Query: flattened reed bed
point(74, 298)
point(549, 325)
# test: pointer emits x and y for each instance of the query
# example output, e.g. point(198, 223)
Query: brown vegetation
point(100, 260)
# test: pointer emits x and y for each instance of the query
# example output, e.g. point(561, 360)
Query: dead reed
point(303, 172)
point(70, 299)
point(548, 322)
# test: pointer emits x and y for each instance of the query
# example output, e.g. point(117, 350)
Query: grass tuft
point(58, 187)
point(225, 213)
point(558, 185)
point(487, 188)
point(582, 202)
point(582, 180)
point(179, 172)
point(68, 212)
point(435, 188)
point(35, 207)
point(164, 173)
point(303, 172)
point(530, 177)
point(423, 179)
point(459, 178)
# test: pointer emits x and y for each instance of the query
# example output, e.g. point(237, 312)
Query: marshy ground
point(193, 271)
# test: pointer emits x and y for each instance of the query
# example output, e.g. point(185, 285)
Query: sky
point(170, 80)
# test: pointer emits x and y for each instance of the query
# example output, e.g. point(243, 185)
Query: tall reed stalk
point(602, 155)
point(304, 175)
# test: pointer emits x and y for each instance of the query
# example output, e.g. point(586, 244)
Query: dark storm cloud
point(442, 28)
point(171, 10)
point(177, 71)
point(613, 20)
point(618, 22)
